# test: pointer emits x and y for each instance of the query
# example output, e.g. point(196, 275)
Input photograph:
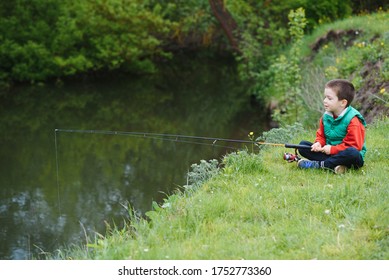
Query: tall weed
point(288, 73)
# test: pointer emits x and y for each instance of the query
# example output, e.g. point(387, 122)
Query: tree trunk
point(226, 21)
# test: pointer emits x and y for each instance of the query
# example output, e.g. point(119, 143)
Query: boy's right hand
point(316, 147)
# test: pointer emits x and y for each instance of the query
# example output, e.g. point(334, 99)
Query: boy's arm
point(355, 137)
point(320, 137)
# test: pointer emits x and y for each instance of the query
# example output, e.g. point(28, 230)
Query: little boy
point(340, 139)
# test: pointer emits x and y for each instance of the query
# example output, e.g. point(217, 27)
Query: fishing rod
point(179, 138)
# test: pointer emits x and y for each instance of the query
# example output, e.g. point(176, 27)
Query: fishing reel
point(291, 157)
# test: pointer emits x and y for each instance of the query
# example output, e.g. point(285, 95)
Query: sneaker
point(306, 164)
point(340, 169)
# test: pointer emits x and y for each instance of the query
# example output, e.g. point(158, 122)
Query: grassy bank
point(260, 207)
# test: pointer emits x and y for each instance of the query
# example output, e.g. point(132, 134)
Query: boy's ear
point(344, 102)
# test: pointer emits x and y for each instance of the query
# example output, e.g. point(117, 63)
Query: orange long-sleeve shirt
point(355, 136)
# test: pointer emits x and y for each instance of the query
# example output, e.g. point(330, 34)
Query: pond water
point(59, 188)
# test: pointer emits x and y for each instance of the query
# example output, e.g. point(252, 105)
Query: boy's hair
point(343, 89)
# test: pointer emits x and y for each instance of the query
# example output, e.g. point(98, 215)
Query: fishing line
point(57, 171)
point(164, 137)
point(147, 134)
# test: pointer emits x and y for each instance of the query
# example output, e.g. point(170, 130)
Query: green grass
point(260, 207)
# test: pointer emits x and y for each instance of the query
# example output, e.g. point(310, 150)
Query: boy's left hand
point(327, 149)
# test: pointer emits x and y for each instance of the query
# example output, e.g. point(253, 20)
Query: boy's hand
point(327, 149)
point(316, 147)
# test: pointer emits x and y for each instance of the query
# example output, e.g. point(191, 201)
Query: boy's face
point(331, 102)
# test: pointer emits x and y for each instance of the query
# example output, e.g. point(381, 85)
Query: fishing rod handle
point(295, 146)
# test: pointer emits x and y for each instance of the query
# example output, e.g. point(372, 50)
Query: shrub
point(201, 173)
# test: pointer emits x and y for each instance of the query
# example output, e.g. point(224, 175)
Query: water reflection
point(29, 212)
point(100, 175)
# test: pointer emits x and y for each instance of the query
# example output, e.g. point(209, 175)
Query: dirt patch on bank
point(341, 38)
point(371, 96)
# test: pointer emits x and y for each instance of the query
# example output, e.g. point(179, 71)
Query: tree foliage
point(43, 39)
point(51, 38)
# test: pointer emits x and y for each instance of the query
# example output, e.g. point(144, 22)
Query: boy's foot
point(306, 164)
point(340, 169)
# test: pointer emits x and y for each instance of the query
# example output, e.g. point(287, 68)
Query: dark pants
point(350, 157)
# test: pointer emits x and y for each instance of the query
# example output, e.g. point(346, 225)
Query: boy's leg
point(349, 158)
point(307, 153)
